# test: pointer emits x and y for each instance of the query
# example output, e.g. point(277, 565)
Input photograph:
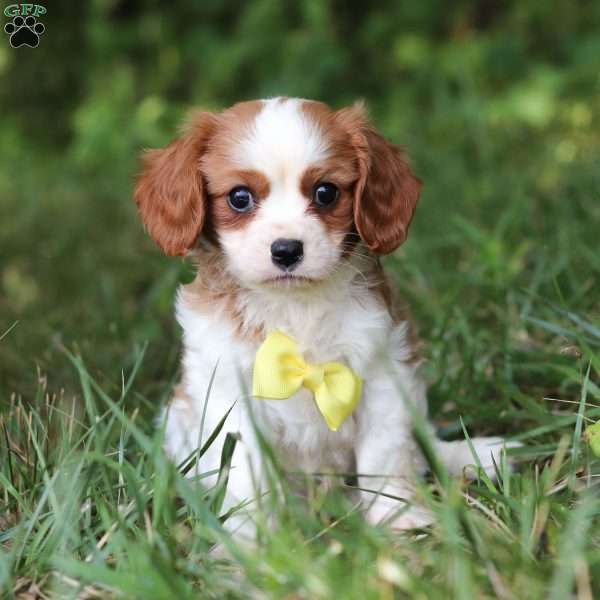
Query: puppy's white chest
point(324, 331)
point(302, 440)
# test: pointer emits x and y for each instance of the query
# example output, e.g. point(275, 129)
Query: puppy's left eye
point(325, 194)
point(240, 199)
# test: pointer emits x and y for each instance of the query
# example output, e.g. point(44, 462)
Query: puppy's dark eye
point(325, 194)
point(240, 199)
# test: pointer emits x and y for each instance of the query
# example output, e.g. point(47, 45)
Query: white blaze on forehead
point(282, 142)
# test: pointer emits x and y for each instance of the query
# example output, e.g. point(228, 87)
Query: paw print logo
point(24, 31)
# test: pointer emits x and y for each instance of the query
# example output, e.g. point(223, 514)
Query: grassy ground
point(502, 272)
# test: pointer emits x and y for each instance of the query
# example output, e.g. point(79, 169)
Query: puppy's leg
point(387, 458)
point(243, 485)
point(245, 481)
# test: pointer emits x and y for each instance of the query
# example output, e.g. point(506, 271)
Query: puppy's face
point(285, 187)
point(280, 176)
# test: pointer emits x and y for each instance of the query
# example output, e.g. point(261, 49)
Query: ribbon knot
point(314, 377)
point(280, 371)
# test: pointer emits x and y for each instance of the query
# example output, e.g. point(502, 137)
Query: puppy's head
point(285, 187)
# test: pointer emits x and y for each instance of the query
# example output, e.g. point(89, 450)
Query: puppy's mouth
point(288, 279)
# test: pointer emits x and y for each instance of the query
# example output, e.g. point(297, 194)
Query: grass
point(92, 508)
point(502, 273)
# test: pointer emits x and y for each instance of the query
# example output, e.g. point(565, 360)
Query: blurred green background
point(497, 102)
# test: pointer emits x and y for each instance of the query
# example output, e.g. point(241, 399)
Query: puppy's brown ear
point(170, 192)
point(387, 192)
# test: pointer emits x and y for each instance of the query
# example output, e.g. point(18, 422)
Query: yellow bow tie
point(280, 371)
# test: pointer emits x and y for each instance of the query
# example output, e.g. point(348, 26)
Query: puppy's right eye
point(240, 199)
point(325, 194)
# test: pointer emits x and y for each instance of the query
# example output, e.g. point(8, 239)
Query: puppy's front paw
point(415, 517)
point(400, 517)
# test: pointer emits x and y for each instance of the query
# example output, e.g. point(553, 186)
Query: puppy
point(286, 206)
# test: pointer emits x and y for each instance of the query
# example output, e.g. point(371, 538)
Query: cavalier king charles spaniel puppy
point(286, 207)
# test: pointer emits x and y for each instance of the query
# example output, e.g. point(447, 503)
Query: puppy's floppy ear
point(170, 192)
point(387, 192)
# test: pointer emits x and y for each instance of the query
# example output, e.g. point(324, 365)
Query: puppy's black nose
point(286, 253)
